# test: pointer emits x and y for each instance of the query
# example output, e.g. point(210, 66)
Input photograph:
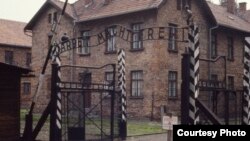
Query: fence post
point(246, 100)
point(122, 91)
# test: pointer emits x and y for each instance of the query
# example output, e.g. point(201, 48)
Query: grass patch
point(136, 128)
point(24, 112)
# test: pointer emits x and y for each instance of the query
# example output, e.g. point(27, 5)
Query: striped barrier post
point(193, 38)
point(246, 94)
point(122, 90)
point(56, 98)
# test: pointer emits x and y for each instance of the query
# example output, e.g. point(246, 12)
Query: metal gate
point(218, 102)
point(89, 104)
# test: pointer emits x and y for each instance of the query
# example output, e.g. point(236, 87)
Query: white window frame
point(136, 43)
point(137, 83)
point(111, 43)
point(85, 49)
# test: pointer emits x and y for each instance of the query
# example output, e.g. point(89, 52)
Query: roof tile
point(11, 33)
point(99, 10)
point(227, 19)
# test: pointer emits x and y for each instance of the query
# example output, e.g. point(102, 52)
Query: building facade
point(15, 49)
point(153, 68)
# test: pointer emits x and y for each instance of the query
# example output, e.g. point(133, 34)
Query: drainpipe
point(210, 47)
point(210, 56)
point(73, 59)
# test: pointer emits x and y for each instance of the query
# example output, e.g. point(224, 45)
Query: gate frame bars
point(56, 98)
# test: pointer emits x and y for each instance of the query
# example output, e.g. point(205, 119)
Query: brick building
point(153, 68)
point(15, 49)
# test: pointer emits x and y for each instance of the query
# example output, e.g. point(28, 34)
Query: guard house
point(10, 78)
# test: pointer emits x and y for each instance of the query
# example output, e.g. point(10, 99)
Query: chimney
point(231, 6)
point(243, 6)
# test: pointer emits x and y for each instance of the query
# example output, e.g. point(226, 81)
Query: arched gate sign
point(154, 33)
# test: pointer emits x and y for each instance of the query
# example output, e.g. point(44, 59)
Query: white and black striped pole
point(122, 90)
point(56, 98)
point(193, 38)
point(246, 94)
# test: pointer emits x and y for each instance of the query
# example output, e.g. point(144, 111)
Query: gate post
point(246, 100)
point(113, 97)
point(123, 95)
point(55, 111)
point(185, 88)
point(193, 39)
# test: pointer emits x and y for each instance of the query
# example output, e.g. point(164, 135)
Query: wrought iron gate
point(89, 105)
point(218, 102)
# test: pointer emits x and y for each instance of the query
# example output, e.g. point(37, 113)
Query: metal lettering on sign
point(152, 33)
point(211, 84)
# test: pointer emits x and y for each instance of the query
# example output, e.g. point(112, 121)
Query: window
point(111, 46)
point(26, 88)
point(52, 18)
point(136, 38)
point(55, 17)
point(49, 41)
point(86, 79)
point(28, 59)
point(182, 3)
point(9, 57)
point(230, 45)
point(214, 46)
point(137, 83)
point(172, 84)
point(109, 77)
point(85, 49)
point(230, 86)
point(108, 81)
point(230, 83)
point(172, 46)
point(214, 77)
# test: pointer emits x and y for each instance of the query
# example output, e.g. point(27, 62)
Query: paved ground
point(156, 137)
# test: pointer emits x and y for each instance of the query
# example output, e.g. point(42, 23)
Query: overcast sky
point(24, 10)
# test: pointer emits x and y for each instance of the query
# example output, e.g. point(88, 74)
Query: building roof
point(69, 11)
point(226, 19)
point(98, 9)
point(11, 33)
point(12, 68)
